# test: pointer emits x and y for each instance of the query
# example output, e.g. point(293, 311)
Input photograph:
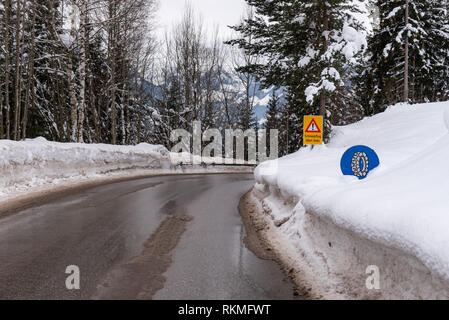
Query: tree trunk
point(56, 82)
point(83, 66)
point(325, 28)
point(137, 102)
point(323, 105)
point(288, 131)
point(19, 55)
point(1, 116)
point(127, 112)
point(92, 104)
point(123, 101)
point(71, 79)
point(7, 55)
point(113, 102)
point(413, 81)
point(72, 94)
point(99, 137)
point(406, 71)
point(225, 97)
point(30, 84)
point(112, 66)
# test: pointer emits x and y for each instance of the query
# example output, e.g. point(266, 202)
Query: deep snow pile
point(40, 165)
point(37, 162)
point(403, 204)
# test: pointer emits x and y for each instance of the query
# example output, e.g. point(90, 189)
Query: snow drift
point(400, 211)
point(36, 162)
point(35, 167)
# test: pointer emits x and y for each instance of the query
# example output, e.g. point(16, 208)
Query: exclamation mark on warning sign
point(313, 128)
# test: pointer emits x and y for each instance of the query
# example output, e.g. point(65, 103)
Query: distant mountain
point(261, 96)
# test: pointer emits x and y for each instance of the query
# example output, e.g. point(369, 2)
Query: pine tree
point(434, 63)
point(168, 112)
point(47, 108)
point(309, 48)
point(424, 40)
point(246, 117)
point(274, 121)
point(97, 115)
point(272, 115)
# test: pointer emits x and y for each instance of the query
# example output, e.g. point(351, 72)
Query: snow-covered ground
point(397, 218)
point(38, 162)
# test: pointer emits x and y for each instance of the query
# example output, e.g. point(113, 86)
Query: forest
point(94, 71)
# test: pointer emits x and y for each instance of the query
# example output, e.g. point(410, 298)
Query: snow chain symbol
point(360, 164)
point(359, 161)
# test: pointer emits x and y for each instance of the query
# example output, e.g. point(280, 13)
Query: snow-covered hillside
point(403, 204)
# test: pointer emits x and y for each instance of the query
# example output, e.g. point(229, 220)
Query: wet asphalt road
point(101, 229)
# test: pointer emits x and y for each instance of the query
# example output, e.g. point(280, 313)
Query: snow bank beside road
point(34, 169)
point(403, 204)
point(37, 162)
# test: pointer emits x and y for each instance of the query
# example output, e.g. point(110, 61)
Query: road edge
point(12, 204)
point(260, 240)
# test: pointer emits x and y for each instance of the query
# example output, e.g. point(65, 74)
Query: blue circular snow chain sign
point(359, 161)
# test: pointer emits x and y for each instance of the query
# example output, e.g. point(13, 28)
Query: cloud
point(219, 13)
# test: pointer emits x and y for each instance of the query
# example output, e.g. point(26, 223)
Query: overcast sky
point(221, 12)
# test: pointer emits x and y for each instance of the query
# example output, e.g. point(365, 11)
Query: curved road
point(172, 237)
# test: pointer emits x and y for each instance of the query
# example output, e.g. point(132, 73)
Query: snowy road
point(175, 237)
